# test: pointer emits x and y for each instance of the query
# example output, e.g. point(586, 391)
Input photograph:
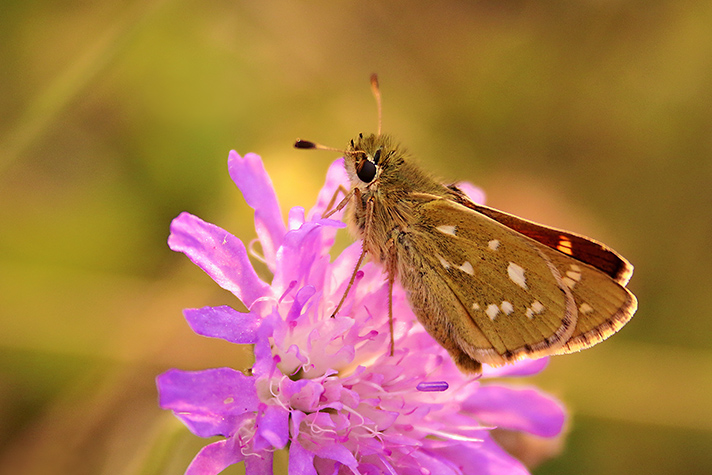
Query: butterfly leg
point(347, 197)
point(369, 213)
point(391, 268)
point(351, 282)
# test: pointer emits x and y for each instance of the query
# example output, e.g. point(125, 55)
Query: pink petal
point(484, 458)
point(296, 217)
point(223, 322)
point(250, 176)
point(474, 193)
point(301, 461)
point(524, 367)
point(259, 464)
point(520, 409)
point(339, 453)
point(220, 254)
point(273, 426)
point(300, 251)
point(336, 176)
point(209, 402)
point(214, 458)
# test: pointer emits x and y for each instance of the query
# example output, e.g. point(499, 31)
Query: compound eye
point(366, 171)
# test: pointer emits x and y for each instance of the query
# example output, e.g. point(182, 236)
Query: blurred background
point(591, 115)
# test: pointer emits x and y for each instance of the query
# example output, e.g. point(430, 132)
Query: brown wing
point(498, 295)
point(580, 247)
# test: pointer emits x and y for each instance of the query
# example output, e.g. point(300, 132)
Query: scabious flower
point(327, 388)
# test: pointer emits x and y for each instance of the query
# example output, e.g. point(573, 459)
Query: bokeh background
point(592, 115)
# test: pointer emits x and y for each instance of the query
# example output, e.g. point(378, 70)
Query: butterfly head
point(367, 156)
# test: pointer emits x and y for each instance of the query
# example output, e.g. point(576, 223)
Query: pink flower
point(326, 388)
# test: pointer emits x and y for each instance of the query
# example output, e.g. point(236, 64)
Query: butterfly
point(489, 286)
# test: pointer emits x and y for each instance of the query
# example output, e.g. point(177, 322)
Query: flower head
point(327, 388)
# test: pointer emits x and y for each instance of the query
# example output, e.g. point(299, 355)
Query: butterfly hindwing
point(603, 305)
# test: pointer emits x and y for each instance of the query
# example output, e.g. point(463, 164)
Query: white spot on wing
point(585, 308)
point(493, 244)
point(535, 309)
point(570, 283)
point(475, 306)
point(442, 260)
point(492, 311)
point(574, 275)
point(447, 229)
point(507, 307)
point(516, 274)
point(466, 267)
point(575, 268)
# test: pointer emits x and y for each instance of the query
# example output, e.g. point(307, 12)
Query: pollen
point(516, 275)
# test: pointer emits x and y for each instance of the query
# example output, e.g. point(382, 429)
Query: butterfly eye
point(366, 170)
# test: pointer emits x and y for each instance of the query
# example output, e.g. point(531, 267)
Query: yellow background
point(592, 115)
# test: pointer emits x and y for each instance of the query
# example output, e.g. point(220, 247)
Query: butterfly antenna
point(377, 95)
point(307, 145)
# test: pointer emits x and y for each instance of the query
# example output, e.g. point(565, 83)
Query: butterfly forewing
point(577, 246)
point(594, 272)
point(518, 297)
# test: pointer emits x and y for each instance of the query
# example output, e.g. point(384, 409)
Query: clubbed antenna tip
point(304, 144)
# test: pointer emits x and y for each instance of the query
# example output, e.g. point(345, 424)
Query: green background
point(595, 116)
